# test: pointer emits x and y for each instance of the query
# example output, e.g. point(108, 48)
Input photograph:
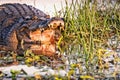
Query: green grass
point(87, 31)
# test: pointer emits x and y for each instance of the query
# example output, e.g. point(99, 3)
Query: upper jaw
point(53, 23)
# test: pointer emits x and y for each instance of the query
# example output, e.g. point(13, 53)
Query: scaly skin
point(35, 33)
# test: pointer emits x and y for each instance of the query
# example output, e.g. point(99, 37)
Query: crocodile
point(25, 27)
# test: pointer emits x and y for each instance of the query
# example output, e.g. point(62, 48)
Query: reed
point(88, 30)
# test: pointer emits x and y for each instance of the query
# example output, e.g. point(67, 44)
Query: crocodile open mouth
point(45, 41)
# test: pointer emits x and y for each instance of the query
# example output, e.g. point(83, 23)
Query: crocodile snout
point(56, 24)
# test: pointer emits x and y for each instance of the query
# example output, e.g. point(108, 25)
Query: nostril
point(61, 24)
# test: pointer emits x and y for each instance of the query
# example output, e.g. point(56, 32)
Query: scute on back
point(18, 10)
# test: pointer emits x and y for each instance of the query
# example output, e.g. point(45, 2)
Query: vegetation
point(91, 35)
point(88, 31)
point(91, 32)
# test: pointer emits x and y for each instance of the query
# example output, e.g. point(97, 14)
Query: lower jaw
point(45, 49)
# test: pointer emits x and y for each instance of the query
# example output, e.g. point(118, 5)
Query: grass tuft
point(88, 30)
